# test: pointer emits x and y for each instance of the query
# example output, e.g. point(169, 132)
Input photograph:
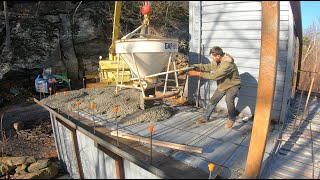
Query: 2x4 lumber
point(171, 145)
point(118, 161)
point(75, 146)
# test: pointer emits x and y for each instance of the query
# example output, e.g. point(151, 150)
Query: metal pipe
point(122, 75)
point(199, 78)
point(141, 87)
point(167, 75)
point(162, 73)
point(117, 76)
point(175, 73)
point(126, 86)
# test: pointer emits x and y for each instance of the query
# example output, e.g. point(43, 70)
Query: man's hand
point(194, 73)
point(195, 68)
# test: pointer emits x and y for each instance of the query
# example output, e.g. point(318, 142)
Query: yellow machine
point(108, 68)
point(108, 72)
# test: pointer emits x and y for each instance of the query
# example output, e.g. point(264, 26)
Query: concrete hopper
point(147, 56)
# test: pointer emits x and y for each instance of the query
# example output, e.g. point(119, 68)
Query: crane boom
point(115, 32)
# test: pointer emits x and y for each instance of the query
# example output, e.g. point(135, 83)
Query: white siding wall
point(235, 26)
point(290, 68)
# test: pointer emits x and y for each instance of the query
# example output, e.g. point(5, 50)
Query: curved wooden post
point(266, 86)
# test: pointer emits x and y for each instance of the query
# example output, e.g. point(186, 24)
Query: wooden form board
point(158, 143)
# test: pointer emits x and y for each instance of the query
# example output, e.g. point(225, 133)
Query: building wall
point(64, 145)
point(95, 163)
point(235, 26)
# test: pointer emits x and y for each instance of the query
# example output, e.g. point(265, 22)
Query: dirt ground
point(35, 139)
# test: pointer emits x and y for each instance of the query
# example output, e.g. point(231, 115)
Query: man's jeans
point(231, 94)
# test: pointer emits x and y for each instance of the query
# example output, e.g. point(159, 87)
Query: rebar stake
point(94, 124)
point(78, 104)
point(151, 130)
point(44, 94)
point(116, 109)
point(50, 90)
point(69, 84)
point(211, 167)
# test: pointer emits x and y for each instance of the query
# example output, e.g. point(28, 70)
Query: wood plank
point(266, 86)
point(239, 34)
point(94, 85)
point(237, 25)
point(75, 143)
point(91, 76)
point(288, 79)
point(306, 151)
point(254, 63)
point(222, 4)
point(296, 171)
point(301, 141)
point(296, 158)
point(216, 10)
point(238, 3)
point(296, 137)
point(118, 161)
point(236, 43)
point(158, 143)
point(297, 163)
point(234, 17)
point(287, 175)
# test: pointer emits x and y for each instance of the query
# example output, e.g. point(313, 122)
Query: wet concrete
point(104, 99)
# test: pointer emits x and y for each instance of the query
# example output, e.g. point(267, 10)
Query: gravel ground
point(104, 99)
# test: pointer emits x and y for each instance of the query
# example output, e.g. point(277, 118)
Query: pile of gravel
point(104, 99)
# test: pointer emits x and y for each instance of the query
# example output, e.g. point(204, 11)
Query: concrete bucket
point(147, 56)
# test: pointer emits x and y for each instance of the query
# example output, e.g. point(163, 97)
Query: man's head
point(216, 53)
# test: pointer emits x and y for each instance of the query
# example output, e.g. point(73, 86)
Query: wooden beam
point(75, 147)
point(118, 161)
point(94, 85)
point(171, 145)
point(266, 87)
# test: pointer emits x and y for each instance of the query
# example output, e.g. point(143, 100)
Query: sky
point(310, 12)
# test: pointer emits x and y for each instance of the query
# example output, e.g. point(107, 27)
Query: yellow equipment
point(108, 68)
point(108, 72)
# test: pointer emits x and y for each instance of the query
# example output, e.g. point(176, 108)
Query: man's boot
point(201, 120)
point(229, 124)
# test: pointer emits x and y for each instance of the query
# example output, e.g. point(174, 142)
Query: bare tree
point(8, 41)
point(310, 60)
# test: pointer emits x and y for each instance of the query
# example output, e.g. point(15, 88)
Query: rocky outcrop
point(28, 167)
point(43, 35)
point(52, 34)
